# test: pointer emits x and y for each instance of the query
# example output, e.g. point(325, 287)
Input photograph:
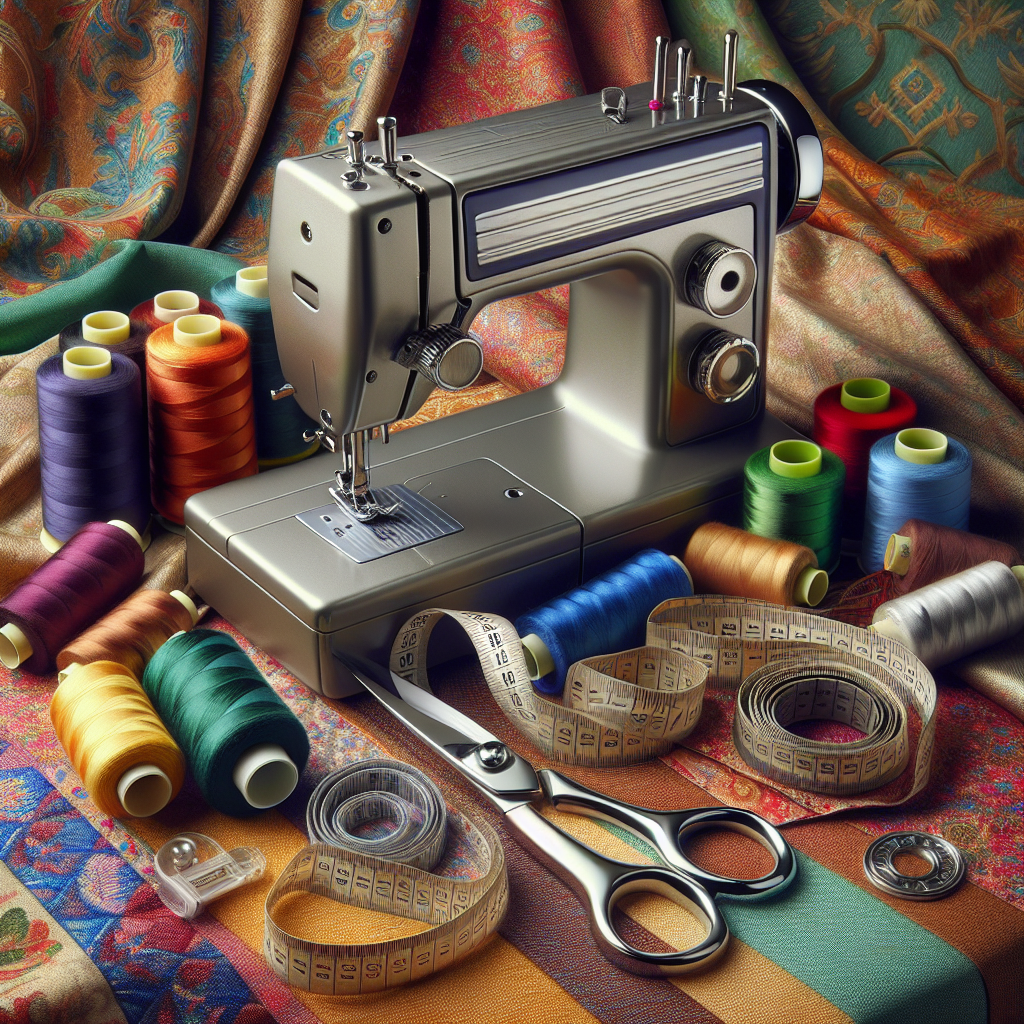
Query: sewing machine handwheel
point(720, 278)
point(446, 356)
point(724, 366)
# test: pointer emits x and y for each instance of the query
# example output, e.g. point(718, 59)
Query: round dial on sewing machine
point(445, 355)
point(720, 278)
point(724, 367)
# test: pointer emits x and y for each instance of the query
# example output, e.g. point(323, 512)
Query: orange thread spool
point(201, 420)
point(131, 633)
point(725, 560)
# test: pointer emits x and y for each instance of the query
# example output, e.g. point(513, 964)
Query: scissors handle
point(668, 831)
point(600, 882)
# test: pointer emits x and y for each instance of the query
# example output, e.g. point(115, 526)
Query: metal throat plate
point(415, 521)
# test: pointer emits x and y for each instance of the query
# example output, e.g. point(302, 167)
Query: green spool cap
point(865, 394)
point(921, 445)
point(795, 459)
point(810, 587)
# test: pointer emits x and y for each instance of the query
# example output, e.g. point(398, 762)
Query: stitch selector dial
point(720, 278)
point(448, 357)
point(724, 366)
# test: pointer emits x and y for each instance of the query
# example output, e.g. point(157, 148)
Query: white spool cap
point(265, 775)
point(197, 331)
point(679, 562)
point(106, 327)
point(170, 306)
point(143, 790)
point(892, 630)
point(14, 646)
point(49, 542)
point(253, 281)
point(86, 363)
point(810, 586)
point(65, 672)
point(183, 599)
point(129, 529)
point(539, 662)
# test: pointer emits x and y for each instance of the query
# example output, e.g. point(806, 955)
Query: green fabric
point(135, 272)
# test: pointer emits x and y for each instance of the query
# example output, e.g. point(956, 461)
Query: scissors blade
point(510, 782)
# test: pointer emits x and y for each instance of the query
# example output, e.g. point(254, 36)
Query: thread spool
point(113, 737)
point(200, 410)
point(794, 491)
point(166, 307)
point(956, 616)
point(131, 634)
point(725, 560)
point(848, 419)
point(922, 553)
point(92, 443)
point(242, 743)
point(604, 615)
point(279, 425)
point(913, 474)
point(109, 331)
point(99, 567)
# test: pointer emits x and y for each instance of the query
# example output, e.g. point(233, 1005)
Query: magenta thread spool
point(97, 569)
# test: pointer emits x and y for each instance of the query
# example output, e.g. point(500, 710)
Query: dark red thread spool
point(97, 568)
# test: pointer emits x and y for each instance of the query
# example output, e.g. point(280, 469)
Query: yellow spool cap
point(14, 646)
point(265, 775)
point(65, 672)
point(253, 281)
point(49, 542)
point(171, 306)
point(187, 602)
point(539, 662)
point(865, 394)
point(921, 445)
point(85, 363)
point(1018, 571)
point(795, 459)
point(810, 587)
point(898, 553)
point(106, 327)
point(197, 331)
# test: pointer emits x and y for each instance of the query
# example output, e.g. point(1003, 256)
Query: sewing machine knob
point(720, 278)
point(725, 366)
point(445, 355)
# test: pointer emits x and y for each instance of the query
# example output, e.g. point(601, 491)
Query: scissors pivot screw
point(493, 755)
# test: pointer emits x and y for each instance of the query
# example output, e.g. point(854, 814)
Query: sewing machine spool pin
point(730, 53)
point(684, 56)
point(657, 103)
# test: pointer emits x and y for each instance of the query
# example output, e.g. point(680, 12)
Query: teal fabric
point(134, 272)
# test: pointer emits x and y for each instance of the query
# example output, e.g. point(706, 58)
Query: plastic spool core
point(810, 587)
point(922, 446)
point(129, 529)
point(197, 330)
point(679, 562)
point(892, 630)
point(143, 790)
point(795, 459)
point(187, 603)
point(539, 662)
point(265, 775)
point(170, 306)
point(865, 394)
point(898, 553)
point(106, 327)
point(85, 363)
point(253, 281)
point(14, 646)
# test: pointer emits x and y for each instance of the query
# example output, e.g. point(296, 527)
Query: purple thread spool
point(97, 569)
point(92, 442)
point(110, 332)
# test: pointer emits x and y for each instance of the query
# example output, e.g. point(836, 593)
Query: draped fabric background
point(128, 121)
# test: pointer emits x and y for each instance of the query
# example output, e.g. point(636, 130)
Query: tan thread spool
point(121, 750)
point(726, 560)
point(131, 632)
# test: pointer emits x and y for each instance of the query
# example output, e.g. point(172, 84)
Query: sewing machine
point(659, 209)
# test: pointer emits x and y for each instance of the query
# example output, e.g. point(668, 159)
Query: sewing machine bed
point(84, 938)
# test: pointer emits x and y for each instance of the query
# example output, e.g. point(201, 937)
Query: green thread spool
point(794, 491)
point(244, 746)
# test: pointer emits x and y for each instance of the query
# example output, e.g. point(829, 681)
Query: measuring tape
point(618, 709)
point(463, 913)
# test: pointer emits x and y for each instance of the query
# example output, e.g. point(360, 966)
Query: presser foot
point(363, 507)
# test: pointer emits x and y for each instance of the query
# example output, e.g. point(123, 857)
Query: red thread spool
point(97, 568)
point(850, 434)
point(201, 422)
point(922, 553)
point(166, 307)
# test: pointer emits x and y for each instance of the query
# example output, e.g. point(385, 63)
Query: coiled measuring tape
point(463, 912)
point(618, 709)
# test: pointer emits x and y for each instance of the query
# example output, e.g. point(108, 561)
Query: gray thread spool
point(957, 616)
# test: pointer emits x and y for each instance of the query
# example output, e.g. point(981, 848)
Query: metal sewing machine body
point(661, 215)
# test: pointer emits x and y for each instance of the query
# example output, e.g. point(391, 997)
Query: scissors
point(511, 784)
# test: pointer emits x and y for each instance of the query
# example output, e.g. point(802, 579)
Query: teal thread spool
point(794, 491)
point(244, 746)
point(279, 425)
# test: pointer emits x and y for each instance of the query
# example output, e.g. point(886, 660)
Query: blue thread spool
point(604, 615)
point(913, 474)
point(279, 425)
